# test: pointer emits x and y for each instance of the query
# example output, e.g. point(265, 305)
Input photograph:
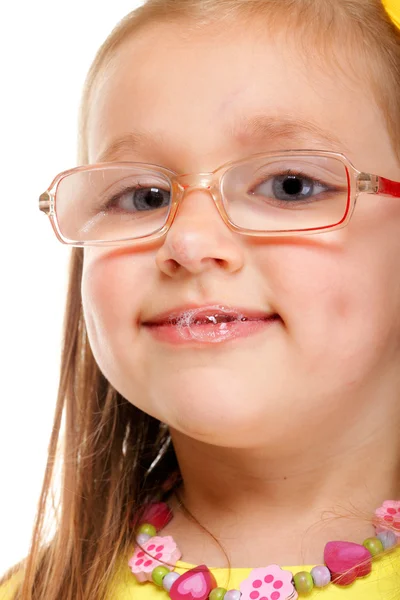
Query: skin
point(276, 430)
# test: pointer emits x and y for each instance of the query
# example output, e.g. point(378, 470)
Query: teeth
point(210, 320)
point(215, 319)
point(215, 315)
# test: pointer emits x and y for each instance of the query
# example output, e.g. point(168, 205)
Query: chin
point(230, 414)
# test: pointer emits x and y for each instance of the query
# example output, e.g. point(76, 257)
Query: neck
point(281, 505)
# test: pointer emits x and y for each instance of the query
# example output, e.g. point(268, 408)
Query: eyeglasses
point(298, 192)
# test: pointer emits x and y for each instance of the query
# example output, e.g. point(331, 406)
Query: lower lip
point(209, 333)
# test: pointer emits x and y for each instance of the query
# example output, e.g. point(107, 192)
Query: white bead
point(169, 580)
point(142, 538)
point(232, 595)
point(388, 539)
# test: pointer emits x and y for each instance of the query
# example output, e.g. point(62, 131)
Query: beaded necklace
point(155, 558)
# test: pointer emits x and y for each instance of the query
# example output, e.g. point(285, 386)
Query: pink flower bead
point(388, 517)
point(268, 583)
point(159, 550)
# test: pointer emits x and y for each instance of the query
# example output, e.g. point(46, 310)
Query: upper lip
point(175, 313)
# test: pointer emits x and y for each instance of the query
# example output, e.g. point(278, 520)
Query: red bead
point(158, 514)
point(195, 584)
point(347, 561)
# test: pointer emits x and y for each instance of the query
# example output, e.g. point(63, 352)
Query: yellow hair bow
point(393, 9)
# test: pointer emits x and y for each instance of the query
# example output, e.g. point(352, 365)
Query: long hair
point(109, 445)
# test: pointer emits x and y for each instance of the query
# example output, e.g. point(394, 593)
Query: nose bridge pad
point(184, 184)
point(194, 181)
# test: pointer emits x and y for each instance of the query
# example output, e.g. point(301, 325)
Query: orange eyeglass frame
point(358, 182)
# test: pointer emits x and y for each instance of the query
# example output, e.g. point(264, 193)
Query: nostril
point(171, 265)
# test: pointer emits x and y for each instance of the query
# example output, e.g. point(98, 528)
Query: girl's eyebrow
point(125, 145)
point(267, 129)
point(257, 130)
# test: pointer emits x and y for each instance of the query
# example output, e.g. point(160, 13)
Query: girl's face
point(333, 355)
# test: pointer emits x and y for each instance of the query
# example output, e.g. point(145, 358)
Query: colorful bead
point(157, 514)
point(142, 538)
point(217, 593)
point(169, 580)
point(148, 529)
point(388, 539)
point(347, 561)
point(374, 545)
point(303, 582)
point(232, 595)
point(196, 583)
point(321, 576)
point(388, 516)
point(158, 574)
point(268, 582)
point(157, 551)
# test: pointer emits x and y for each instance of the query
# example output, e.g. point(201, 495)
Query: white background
point(46, 48)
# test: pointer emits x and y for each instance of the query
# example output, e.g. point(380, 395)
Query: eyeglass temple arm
point(388, 187)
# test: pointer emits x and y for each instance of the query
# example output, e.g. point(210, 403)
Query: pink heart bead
point(347, 561)
point(195, 584)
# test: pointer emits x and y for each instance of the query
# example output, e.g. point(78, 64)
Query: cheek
point(112, 292)
point(338, 305)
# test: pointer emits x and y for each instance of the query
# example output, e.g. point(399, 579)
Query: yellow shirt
point(382, 584)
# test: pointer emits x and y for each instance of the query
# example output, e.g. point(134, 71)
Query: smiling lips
point(208, 324)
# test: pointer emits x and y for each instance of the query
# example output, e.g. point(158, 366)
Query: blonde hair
point(109, 444)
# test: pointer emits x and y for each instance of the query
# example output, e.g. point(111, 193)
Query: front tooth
point(214, 319)
point(225, 318)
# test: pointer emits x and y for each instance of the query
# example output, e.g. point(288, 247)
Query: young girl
point(230, 378)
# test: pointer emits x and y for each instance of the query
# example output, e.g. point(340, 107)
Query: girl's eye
point(138, 199)
point(289, 188)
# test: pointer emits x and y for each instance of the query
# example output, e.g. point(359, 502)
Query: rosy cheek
point(328, 295)
point(103, 294)
point(324, 297)
point(116, 285)
point(98, 283)
point(303, 278)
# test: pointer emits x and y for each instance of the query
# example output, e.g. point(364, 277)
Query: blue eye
point(139, 199)
point(288, 187)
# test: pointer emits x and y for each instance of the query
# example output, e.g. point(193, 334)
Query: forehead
point(186, 98)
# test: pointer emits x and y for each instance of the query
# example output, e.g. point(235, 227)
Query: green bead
point(374, 545)
point(147, 528)
point(158, 574)
point(303, 582)
point(217, 594)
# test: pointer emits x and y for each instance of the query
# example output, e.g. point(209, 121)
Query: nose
point(198, 239)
